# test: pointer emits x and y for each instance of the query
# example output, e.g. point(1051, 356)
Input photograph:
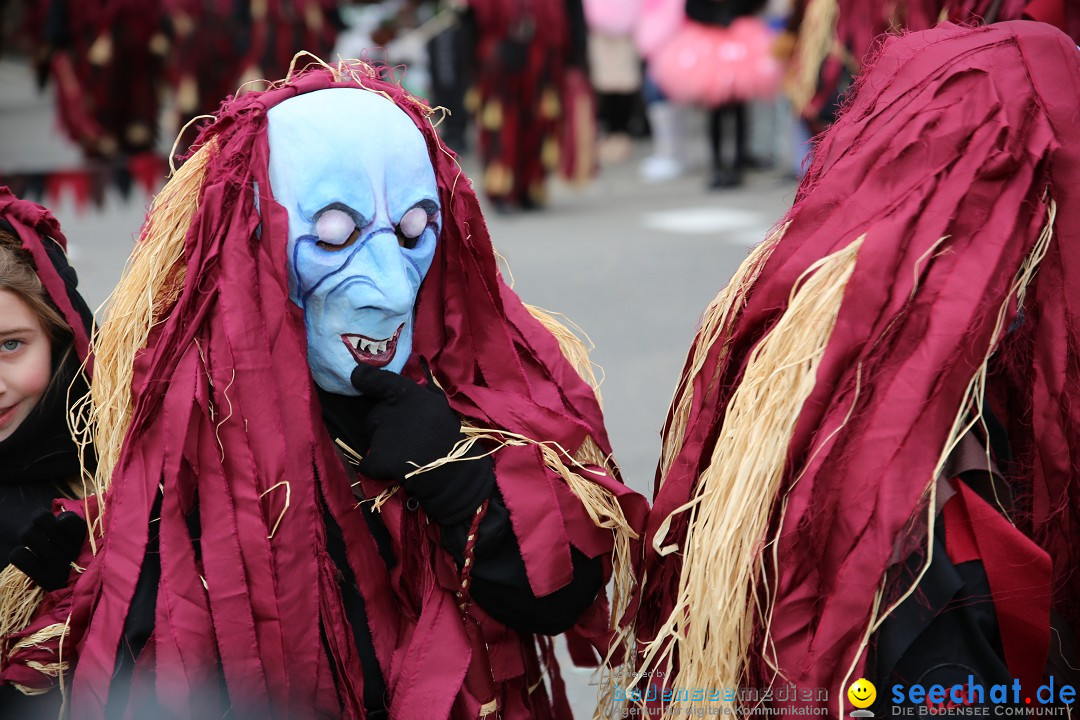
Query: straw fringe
point(19, 599)
point(42, 639)
point(716, 324)
point(150, 286)
point(735, 495)
point(603, 508)
point(817, 37)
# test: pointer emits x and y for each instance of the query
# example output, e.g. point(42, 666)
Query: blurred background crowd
point(531, 87)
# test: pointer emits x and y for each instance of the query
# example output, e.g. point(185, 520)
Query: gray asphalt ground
point(632, 264)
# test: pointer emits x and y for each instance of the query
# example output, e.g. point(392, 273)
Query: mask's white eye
point(334, 227)
point(414, 222)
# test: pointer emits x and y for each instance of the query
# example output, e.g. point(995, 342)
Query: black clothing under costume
point(499, 581)
point(946, 633)
point(37, 464)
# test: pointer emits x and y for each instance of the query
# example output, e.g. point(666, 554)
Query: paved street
point(632, 264)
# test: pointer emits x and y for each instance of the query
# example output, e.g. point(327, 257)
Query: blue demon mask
point(354, 174)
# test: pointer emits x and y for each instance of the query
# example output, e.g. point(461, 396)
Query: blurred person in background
point(656, 22)
point(615, 71)
point(720, 58)
point(830, 40)
point(451, 61)
point(525, 52)
point(128, 73)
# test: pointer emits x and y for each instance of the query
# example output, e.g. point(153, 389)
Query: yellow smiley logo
point(862, 693)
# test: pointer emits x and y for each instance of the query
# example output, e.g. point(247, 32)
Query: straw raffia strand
point(149, 287)
point(710, 626)
point(41, 639)
point(19, 599)
point(716, 323)
point(817, 36)
point(604, 510)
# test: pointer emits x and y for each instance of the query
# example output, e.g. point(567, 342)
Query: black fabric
point(48, 547)
point(374, 684)
point(16, 706)
point(449, 61)
point(944, 632)
point(501, 587)
point(577, 35)
point(728, 120)
point(139, 624)
point(41, 449)
point(722, 12)
point(616, 111)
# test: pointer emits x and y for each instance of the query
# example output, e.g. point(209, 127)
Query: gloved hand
point(411, 424)
point(50, 543)
point(407, 424)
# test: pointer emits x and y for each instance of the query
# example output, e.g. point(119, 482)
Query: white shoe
point(657, 168)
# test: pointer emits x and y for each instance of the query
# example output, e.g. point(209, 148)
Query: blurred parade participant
point(870, 466)
point(720, 58)
point(526, 50)
point(105, 58)
point(832, 38)
point(216, 48)
point(615, 71)
point(44, 331)
point(122, 68)
point(656, 22)
point(348, 473)
point(451, 63)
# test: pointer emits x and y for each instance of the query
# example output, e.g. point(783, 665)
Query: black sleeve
point(499, 582)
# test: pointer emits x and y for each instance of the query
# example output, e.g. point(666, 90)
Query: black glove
point(49, 545)
point(410, 426)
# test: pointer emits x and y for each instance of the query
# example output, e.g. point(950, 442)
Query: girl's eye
point(11, 345)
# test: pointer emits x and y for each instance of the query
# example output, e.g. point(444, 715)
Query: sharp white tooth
point(355, 341)
point(380, 348)
point(365, 345)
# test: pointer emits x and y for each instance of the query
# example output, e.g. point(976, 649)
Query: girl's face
point(25, 362)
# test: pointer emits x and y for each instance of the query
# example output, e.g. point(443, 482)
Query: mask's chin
point(332, 360)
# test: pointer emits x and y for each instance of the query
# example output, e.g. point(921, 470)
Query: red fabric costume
point(956, 144)
point(523, 53)
point(227, 423)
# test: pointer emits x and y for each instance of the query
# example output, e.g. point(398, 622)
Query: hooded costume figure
point(40, 461)
point(922, 292)
point(267, 575)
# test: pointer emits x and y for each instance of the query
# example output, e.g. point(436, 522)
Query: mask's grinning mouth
point(370, 351)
